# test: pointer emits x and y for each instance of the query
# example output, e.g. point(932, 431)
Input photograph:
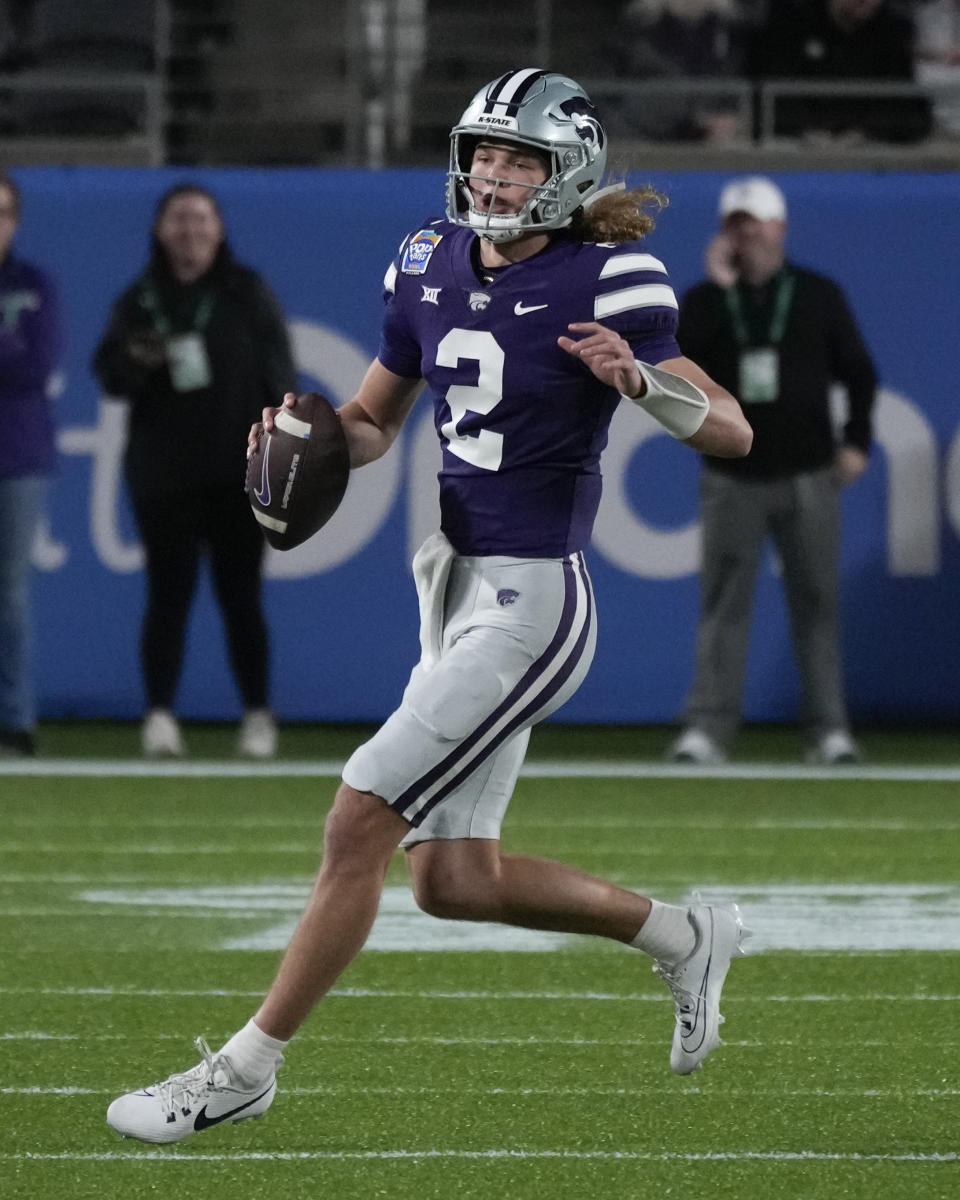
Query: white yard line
point(70, 768)
point(542, 769)
point(159, 849)
point(170, 1155)
point(536, 996)
point(187, 911)
point(462, 1088)
point(519, 819)
point(531, 1041)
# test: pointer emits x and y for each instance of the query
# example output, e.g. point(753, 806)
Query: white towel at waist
point(431, 570)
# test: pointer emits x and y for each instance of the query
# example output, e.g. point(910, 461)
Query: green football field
point(143, 907)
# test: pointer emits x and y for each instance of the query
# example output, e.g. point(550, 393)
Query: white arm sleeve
point(679, 405)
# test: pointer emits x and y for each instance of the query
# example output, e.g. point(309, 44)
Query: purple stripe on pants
point(466, 752)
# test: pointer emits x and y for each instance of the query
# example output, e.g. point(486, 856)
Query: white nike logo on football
point(520, 308)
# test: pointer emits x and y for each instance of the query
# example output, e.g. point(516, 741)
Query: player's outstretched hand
point(265, 424)
point(606, 354)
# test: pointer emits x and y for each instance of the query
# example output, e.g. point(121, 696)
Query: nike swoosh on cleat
point(204, 1122)
point(698, 1026)
point(520, 308)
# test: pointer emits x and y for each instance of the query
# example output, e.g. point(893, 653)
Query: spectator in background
point(825, 41)
point(937, 54)
point(676, 40)
point(29, 343)
point(778, 336)
point(198, 346)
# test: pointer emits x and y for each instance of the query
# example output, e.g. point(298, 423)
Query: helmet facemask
point(543, 113)
point(541, 211)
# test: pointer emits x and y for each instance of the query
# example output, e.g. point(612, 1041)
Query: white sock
point(253, 1053)
point(666, 934)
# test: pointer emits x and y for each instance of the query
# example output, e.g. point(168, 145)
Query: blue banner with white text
point(342, 609)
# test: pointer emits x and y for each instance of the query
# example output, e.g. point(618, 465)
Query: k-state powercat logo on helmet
point(585, 119)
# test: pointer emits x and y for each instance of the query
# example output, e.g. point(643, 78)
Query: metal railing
point(373, 140)
point(769, 92)
point(134, 98)
point(72, 107)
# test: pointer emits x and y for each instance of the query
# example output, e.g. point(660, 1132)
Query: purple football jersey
point(522, 423)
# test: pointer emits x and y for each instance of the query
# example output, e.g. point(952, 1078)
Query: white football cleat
point(160, 735)
point(258, 734)
point(695, 746)
point(834, 749)
point(207, 1095)
point(697, 980)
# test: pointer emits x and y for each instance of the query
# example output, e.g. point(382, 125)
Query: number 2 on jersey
point(478, 345)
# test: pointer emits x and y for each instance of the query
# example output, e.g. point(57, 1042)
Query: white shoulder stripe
point(390, 279)
point(620, 264)
point(647, 295)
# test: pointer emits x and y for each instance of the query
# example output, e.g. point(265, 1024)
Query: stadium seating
point(319, 82)
point(88, 87)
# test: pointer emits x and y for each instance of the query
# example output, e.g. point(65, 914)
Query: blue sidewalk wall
point(342, 608)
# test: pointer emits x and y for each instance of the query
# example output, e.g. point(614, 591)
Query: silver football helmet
point(549, 113)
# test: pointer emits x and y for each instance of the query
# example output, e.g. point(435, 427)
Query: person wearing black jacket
point(778, 337)
point(198, 346)
point(841, 42)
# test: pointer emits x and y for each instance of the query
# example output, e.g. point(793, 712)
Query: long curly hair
point(623, 216)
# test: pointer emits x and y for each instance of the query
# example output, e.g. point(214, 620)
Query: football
point(298, 473)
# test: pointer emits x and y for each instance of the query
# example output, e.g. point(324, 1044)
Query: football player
point(531, 311)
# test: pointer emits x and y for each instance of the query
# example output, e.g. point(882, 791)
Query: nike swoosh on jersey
point(520, 308)
point(202, 1121)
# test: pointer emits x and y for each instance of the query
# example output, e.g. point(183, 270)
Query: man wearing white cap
point(778, 337)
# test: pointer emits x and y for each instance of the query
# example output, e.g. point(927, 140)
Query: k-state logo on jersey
point(418, 251)
point(479, 301)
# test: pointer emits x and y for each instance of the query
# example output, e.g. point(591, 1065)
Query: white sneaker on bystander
point(160, 735)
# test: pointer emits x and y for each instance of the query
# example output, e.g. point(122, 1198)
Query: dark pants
point(22, 502)
point(802, 515)
point(176, 528)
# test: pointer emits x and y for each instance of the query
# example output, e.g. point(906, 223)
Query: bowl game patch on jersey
point(418, 251)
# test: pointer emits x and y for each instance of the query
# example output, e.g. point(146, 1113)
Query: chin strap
point(609, 190)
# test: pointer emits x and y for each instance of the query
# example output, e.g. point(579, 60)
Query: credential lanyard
point(201, 318)
point(778, 320)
